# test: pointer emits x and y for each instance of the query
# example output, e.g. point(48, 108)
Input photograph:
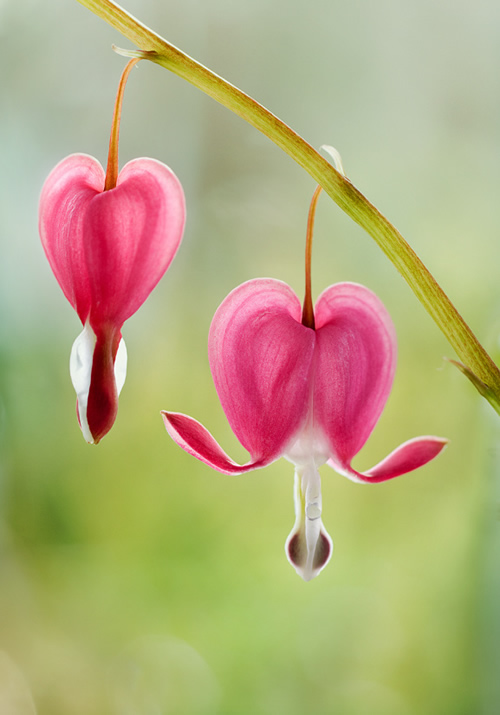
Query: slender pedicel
point(308, 310)
point(112, 167)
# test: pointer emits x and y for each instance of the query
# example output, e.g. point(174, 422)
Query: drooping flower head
point(306, 384)
point(109, 238)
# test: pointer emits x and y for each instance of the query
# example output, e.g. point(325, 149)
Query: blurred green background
point(133, 579)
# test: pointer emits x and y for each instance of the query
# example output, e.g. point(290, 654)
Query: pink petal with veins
point(131, 235)
point(261, 359)
point(354, 366)
point(109, 249)
point(65, 197)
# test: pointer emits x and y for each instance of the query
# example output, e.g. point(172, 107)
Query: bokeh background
point(133, 579)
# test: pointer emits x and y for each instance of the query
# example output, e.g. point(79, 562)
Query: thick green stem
point(476, 361)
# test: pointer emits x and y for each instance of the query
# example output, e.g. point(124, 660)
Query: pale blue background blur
point(133, 579)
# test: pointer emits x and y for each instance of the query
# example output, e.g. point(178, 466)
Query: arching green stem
point(477, 364)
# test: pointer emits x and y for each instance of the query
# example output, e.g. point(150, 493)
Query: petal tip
point(196, 440)
point(408, 457)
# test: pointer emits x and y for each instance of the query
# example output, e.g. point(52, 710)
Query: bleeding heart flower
point(306, 385)
point(109, 238)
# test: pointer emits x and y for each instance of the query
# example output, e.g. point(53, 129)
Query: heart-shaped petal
point(109, 249)
point(66, 195)
point(354, 366)
point(261, 358)
point(131, 235)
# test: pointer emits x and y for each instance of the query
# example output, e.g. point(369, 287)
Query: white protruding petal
point(310, 446)
point(311, 488)
point(308, 546)
point(80, 369)
point(120, 366)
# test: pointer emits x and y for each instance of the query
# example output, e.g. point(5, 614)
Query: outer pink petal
point(354, 366)
point(405, 458)
point(261, 359)
point(131, 235)
point(197, 441)
point(102, 406)
point(66, 194)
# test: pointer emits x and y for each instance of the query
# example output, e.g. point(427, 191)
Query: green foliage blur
point(133, 579)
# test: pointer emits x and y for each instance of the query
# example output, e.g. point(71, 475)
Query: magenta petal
point(102, 406)
point(65, 197)
point(408, 456)
point(197, 441)
point(354, 369)
point(261, 359)
point(132, 233)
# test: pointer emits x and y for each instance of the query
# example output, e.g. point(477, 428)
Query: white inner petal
point(120, 366)
point(80, 369)
point(308, 547)
point(309, 446)
point(310, 486)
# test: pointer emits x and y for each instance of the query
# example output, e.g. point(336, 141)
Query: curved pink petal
point(189, 434)
point(132, 233)
point(261, 359)
point(407, 457)
point(66, 194)
point(355, 362)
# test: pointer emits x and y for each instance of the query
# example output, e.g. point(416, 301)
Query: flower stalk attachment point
point(308, 310)
point(113, 166)
point(109, 238)
point(310, 390)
